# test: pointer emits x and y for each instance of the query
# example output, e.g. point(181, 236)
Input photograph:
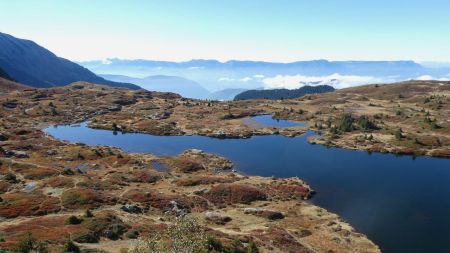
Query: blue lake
point(268, 121)
point(400, 203)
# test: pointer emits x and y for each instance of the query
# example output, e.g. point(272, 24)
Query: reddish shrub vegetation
point(31, 171)
point(234, 193)
point(54, 229)
point(97, 183)
point(186, 165)
point(286, 192)
point(144, 176)
point(164, 201)
point(27, 204)
point(199, 180)
point(116, 179)
point(80, 198)
point(4, 186)
point(281, 239)
point(19, 167)
point(59, 182)
point(57, 230)
point(148, 229)
point(39, 173)
point(136, 196)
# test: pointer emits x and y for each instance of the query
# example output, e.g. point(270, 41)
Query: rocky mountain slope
point(30, 64)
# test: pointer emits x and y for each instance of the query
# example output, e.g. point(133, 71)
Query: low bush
point(69, 246)
point(74, 220)
point(29, 244)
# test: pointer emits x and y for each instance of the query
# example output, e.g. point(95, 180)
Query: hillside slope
point(30, 64)
point(7, 86)
point(5, 75)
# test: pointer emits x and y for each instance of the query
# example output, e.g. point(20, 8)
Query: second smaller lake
point(268, 121)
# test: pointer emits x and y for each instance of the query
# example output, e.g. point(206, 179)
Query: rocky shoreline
point(102, 198)
point(118, 186)
point(115, 197)
point(373, 118)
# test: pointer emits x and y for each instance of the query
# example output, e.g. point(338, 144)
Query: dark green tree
point(345, 123)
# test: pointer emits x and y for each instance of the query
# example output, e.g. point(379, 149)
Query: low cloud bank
point(336, 80)
point(428, 78)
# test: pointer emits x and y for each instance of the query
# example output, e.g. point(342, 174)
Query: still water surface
point(401, 203)
point(268, 121)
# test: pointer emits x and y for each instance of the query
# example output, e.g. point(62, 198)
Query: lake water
point(401, 203)
point(268, 121)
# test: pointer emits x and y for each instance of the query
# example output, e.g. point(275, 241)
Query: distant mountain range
point(215, 75)
point(254, 69)
point(182, 86)
point(26, 62)
point(30, 64)
point(276, 94)
point(315, 67)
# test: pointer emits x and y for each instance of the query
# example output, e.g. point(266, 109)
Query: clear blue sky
point(276, 30)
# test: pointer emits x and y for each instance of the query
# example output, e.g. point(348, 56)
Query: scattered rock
point(114, 108)
point(131, 208)
point(178, 210)
point(30, 187)
point(10, 104)
point(51, 152)
point(3, 137)
point(19, 154)
point(265, 213)
point(217, 218)
point(159, 115)
point(304, 233)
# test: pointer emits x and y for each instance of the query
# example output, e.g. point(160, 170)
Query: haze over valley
point(25, 61)
point(215, 76)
